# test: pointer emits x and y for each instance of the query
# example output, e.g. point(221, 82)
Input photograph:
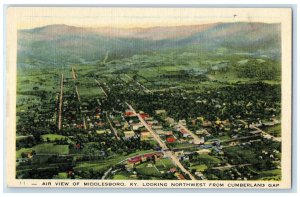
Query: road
point(267, 135)
point(23, 136)
point(73, 73)
point(112, 128)
point(78, 96)
point(60, 102)
point(146, 90)
point(196, 140)
point(164, 147)
point(241, 138)
point(101, 87)
point(228, 166)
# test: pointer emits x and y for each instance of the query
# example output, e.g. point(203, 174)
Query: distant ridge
point(62, 43)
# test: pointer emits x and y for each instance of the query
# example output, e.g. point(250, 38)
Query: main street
point(164, 147)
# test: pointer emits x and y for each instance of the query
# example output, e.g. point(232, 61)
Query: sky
point(31, 17)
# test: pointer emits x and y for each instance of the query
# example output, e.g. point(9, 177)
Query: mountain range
point(63, 44)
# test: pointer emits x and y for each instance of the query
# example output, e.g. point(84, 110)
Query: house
point(171, 139)
point(152, 122)
point(178, 153)
point(202, 140)
point(203, 151)
point(184, 133)
point(145, 135)
point(129, 112)
point(206, 123)
point(206, 146)
point(181, 177)
point(150, 156)
point(129, 134)
point(202, 132)
point(100, 132)
point(144, 115)
point(182, 122)
point(157, 127)
point(161, 112)
point(160, 132)
point(170, 121)
point(136, 126)
point(135, 160)
point(168, 132)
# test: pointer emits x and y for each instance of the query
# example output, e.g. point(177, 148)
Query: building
point(136, 126)
point(129, 112)
point(182, 122)
point(204, 151)
point(100, 132)
point(161, 112)
point(202, 132)
point(170, 121)
point(206, 123)
point(129, 134)
point(184, 133)
point(145, 135)
point(144, 115)
point(171, 139)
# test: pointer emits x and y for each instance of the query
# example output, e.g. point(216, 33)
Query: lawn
point(49, 148)
point(164, 163)
point(103, 165)
point(207, 160)
point(99, 166)
point(61, 175)
point(270, 175)
point(145, 170)
point(122, 176)
point(46, 148)
point(274, 130)
point(199, 168)
point(20, 151)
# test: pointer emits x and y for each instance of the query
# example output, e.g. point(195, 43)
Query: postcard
point(149, 97)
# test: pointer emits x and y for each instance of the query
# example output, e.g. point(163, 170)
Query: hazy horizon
point(136, 17)
point(141, 27)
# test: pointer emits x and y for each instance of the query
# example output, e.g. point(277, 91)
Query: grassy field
point(270, 175)
point(207, 160)
point(199, 168)
point(46, 148)
point(122, 176)
point(274, 130)
point(103, 165)
point(144, 169)
point(20, 151)
point(49, 148)
point(61, 175)
point(164, 164)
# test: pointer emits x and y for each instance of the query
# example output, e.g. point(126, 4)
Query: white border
point(64, 2)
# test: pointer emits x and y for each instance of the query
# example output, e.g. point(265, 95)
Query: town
point(86, 123)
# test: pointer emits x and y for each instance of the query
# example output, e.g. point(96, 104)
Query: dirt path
point(60, 102)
